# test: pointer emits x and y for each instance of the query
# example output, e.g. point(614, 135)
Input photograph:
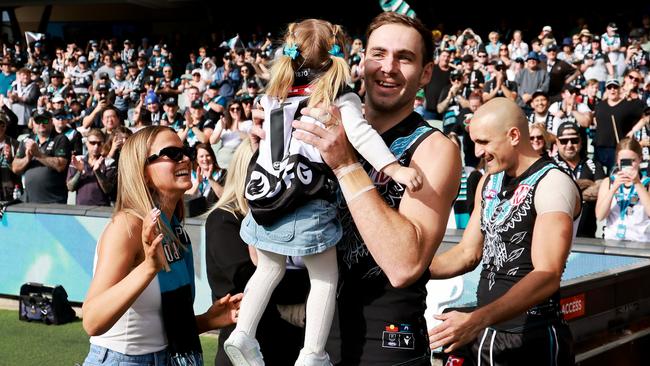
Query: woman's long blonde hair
point(134, 196)
point(314, 38)
point(233, 199)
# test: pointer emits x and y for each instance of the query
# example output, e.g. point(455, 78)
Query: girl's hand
point(152, 243)
point(223, 312)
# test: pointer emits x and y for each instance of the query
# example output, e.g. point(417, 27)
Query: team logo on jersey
point(455, 361)
point(520, 194)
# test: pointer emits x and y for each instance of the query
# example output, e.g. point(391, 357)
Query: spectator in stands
point(586, 172)
point(464, 122)
point(637, 58)
point(623, 199)
point(610, 44)
point(615, 117)
point(107, 67)
point(560, 73)
point(529, 80)
point(499, 85)
point(589, 94)
point(195, 124)
point(152, 108)
point(567, 55)
point(171, 116)
point(517, 47)
point(595, 64)
point(8, 149)
point(132, 303)
point(228, 78)
point(540, 114)
point(100, 102)
point(230, 264)
point(122, 89)
point(207, 177)
point(539, 139)
point(631, 82)
point(453, 97)
point(569, 110)
point(248, 77)
point(439, 80)
point(7, 77)
point(492, 48)
point(23, 95)
point(168, 86)
point(230, 130)
point(197, 82)
point(61, 122)
point(43, 158)
point(89, 176)
point(82, 78)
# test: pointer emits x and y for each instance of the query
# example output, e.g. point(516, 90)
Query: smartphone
point(626, 163)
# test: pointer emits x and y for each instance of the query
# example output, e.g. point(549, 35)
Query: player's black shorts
point(548, 346)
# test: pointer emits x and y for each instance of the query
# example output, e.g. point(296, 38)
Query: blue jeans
point(99, 355)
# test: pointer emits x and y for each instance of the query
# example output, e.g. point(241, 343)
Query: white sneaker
point(313, 359)
point(243, 350)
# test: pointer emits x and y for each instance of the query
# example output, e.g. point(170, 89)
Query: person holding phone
point(625, 201)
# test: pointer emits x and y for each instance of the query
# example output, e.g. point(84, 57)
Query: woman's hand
point(222, 313)
point(152, 243)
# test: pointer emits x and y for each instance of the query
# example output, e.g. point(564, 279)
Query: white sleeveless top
point(140, 329)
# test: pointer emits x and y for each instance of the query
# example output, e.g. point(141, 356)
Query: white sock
point(269, 272)
point(323, 276)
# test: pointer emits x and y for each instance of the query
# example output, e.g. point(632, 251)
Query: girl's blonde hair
point(232, 199)
point(314, 38)
point(134, 196)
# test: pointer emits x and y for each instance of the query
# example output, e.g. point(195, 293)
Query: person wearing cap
point(152, 108)
point(418, 103)
point(499, 85)
point(195, 122)
point(596, 65)
point(157, 62)
point(568, 109)
point(81, 78)
point(8, 149)
point(197, 81)
point(560, 73)
point(586, 172)
point(23, 94)
point(614, 117)
point(42, 159)
point(530, 79)
point(56, 86)
point(101, 100)
point(171, 116)
point(169, 86)
point(127, 53)
point(61, 123)
point(213, 103)
point(474, 76)
point(610, 44)
point(89, 176)
point(7, 76)
point(228, 77)
point(539, 113)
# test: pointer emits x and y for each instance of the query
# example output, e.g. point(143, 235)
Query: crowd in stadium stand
point(68, 108)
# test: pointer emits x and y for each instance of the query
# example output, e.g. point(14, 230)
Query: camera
point(626, 164)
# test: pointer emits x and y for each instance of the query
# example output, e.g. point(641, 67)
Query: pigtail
point(282, 72)
point(328, 86)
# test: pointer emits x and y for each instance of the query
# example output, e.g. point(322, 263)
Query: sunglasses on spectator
point(482, 56)
point(538, 137)
point(235, 109)
point(609, 87)
point(633, 78)
point(41, 121)
point(174, 153)
point(95, 143)
point(573, 140)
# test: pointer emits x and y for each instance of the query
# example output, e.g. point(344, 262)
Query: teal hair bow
point(336, 51)
point(291, 51)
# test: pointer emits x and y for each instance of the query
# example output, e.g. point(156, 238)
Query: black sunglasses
point(41, 121)
point(533, 138)
point(175, 153)
point(573, 140)
point(95, 142)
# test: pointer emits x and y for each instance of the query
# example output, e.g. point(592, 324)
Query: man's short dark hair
point(390, 17)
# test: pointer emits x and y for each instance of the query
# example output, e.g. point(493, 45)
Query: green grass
point(23, 343)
